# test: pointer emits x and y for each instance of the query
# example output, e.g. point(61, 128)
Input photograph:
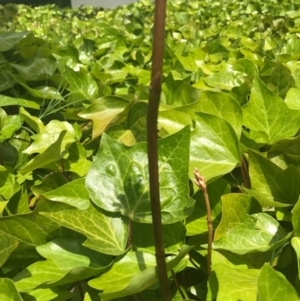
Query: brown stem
point(245, 173)
point(178, 285)
point(200, 182)
point(154, 97)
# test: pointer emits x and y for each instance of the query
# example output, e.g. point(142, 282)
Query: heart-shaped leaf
point(118, 179)
point(257, 233)
point(7, 245)
point(271, 185)
point(267, 113)
point(228, 283)
point(133, 273)
point(66, 261)
point(215, 149)
point(273, 286)
point(106, 232)
point(73, 193)
point(8, 290)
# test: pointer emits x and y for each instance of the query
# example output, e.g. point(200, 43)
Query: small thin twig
point(201, 183)
point(245, 173)
point(178, 285)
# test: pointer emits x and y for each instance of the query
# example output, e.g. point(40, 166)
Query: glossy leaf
point(257, 233)
point(37, 69)
point(82, 84)
point(221, 105)
point(103, 111)
point(236, 207)
point(271, 185)
point(273, 286)
point(35, 123)
point(8, 40)
point(268, 114)
point(229, 283)
point(196, 223)
point(123, 174)
point(50, 155)
point(73, 193)
point(7, 245)
point(214, 147)
point(174, 236)
point(8, 184)
point(133, 273)
point(106, 232)
point(8, 290)
point(12, 101)
point(66, 262)
point(47, 294)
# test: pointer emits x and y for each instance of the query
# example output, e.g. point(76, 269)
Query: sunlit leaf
point(106, 232)
point(273, 286)
point(8, 290)
point(268, 114)
point(66, 261)
point(118, 179)
point(214, 147)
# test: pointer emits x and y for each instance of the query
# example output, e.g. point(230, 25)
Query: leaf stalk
point(152, 115)
point(201, 183)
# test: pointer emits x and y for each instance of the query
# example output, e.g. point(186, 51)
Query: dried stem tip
point(199, 180)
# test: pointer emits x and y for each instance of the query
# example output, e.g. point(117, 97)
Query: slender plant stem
point(245, 173)
point(178, 285)
point(200, 182)
point(154, 97)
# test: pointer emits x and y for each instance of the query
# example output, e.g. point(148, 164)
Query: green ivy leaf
point(8, 40)
point(257, 233)
point(8, 184)
point(132, 130)
point(118, 179)
point(106, 232)
point(38, 68)
point(296, 218)
point(8, 290)
point(67, 261)
point(35, 123)
point(73, 193)
point(224, 80)
point(50, 155)
point(103, 111)
point(271, 185)
point(196, 223)
point(47, 294)
point(267, 113)
point(174, 236)
point(215, 149)
point(83, 84)
point(50, 135)
point(222, 105)
point(7, 245)
point(12, 101)
point(292, 100)
point(273, 286)
point(228, 283)
point(280, 80)
point(133, 273)
point(236, 207)
point(32, 229)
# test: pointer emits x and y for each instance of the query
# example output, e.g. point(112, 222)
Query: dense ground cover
point(74, 197)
